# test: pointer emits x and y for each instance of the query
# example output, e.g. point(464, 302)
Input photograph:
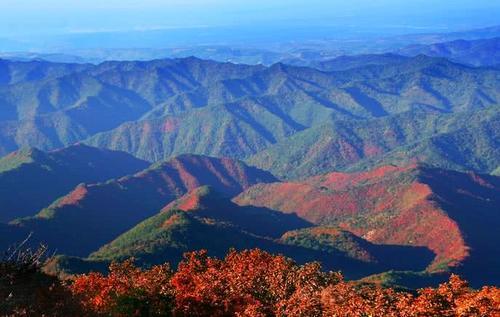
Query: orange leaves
point(254, 283)
point(126, 291)
point(455, 298)
point(247, 283)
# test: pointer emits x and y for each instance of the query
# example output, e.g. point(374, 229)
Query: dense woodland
point(247, 283)
point(364, 185)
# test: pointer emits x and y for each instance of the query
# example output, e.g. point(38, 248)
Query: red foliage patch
point(255, 283)
point(74, 197)
point(389, 205)
point(170, 124)
point(190, 201)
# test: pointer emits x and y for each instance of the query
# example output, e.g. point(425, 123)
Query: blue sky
point(20, 17)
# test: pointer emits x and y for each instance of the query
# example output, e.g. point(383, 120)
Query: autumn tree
point(255, 283)
point(126, 291)
point(250, 283)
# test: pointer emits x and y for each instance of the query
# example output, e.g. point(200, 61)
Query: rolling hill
point(31, 179)
point(63, 108)
point(280, 101)
point(481, 52)
point(93, 214)
point(462, 141)
point(203, 219)
point(159, 109)
point(451, 213)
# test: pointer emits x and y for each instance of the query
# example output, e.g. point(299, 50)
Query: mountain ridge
point(150, 109)
point(412, 205)
point(30, 179)
point(93, 214)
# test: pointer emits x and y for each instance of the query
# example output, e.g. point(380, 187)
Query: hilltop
point(94, 214)
point(452, 214)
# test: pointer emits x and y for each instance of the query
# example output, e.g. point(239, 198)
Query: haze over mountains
point(317, 44)
point(382, 161)
point(482, 52)
point(154, 110)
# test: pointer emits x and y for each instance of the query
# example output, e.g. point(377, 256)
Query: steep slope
point(207, 203)
point(204, 220)
point(200, 219)
point(92, 215)
point(153, 109)
point(251, 114)
point(31, 179)
point(333, 241)
point(453, 214)
point(463, 141)
point(483, 52)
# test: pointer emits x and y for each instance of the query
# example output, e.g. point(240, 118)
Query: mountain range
point(384, 166)
point(91, 215)
point(418, 222)
point(466, 140)
point(481, 52)
point(155, 110)
point(185, 224)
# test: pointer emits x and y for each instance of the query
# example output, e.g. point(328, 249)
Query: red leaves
point(387, 205)
point(126, 291)
point(256, 283)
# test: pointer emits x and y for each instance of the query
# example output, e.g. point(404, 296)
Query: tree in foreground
point(126, 291)
point(250, 283)
point(256, 283)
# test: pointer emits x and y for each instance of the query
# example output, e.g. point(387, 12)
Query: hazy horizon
point(29, 24)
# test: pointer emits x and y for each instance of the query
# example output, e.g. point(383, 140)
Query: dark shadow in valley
point(369, 104)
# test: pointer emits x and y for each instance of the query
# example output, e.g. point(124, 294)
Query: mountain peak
point(198, 170)
point(22, 156)
point(279, 67)
point(202, 197)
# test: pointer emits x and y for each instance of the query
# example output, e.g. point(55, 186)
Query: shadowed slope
point(448, 212)
point(31, 179)
point(337, 241)
point(462, 141)
point(92, 215)
point(207, 203)
point(202, 219)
